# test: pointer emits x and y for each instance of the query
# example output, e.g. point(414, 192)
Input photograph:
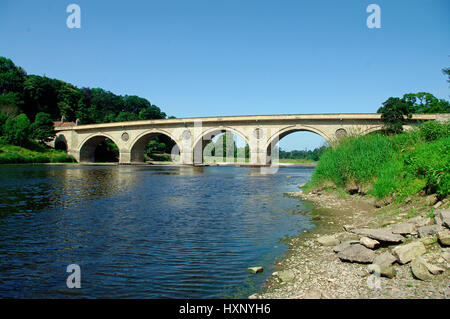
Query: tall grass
point(399, 165)
point(10, 154)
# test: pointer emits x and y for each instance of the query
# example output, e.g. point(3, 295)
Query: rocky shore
point(362, 250)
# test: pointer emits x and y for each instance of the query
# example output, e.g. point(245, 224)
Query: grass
point(395, 166)
point(10, 154)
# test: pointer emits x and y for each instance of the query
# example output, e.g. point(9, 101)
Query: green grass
point(294, 161)
point(10, 154)
point(400, 165)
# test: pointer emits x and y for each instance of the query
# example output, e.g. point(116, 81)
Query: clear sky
point(210, 57)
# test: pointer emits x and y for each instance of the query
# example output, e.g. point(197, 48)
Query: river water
point(144, 231)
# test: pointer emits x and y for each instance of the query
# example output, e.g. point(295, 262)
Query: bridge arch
point(208, 135)
point(90, 144)
point(137, 149)
point(277, 136)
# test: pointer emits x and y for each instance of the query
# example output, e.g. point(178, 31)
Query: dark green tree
point(394, 114)
point(12, 77)
point(16, 130)
point(42, 129)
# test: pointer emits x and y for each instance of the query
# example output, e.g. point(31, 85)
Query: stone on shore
point(420, 221)
point(369, 243)
point(444, 237)
point(344, 245)
point(385, 258)
point(315, 293)
point(286, 275)
point(419, 269)
point(357, 253)
point(444, 215)
point(430, 230)
point(403, 228)
point(435, 270)
point(255, 270)
point(328, 240)
point(406, 253)
point(379, 234)
point(383, 270)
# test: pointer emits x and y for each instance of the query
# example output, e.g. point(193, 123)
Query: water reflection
point(143, 231)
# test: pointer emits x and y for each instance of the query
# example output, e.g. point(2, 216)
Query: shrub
point(16, 130)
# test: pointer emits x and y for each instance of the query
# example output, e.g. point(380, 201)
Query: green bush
point(16, 130)
point(433, 130)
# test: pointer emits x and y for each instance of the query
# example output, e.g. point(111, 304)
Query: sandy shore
point(311, 270)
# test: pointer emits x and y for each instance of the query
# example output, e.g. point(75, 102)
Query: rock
point(254, 296)
point(403, 228)
point(379, 234)
point(419, 269)
point(344, 245)
point(438, 204)
point(435, 270)
point(444, 237)
point(369, 243)
point(420, 221)
point(385, 258)
point(383, 270)
point(406, 253)
point(275, 273)
point(444, 215)
point(255, 270)
point(286, 275)
point(428, 240)
point(357, 253)
point(430, 230)
point(446, 256)
point(348, 227)
point(328, 240)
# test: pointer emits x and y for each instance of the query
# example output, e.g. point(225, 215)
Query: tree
point(446, 71)
point(424, 102)
point(12, 77)
point(394, 113)
point(42, 128)
point(151, 112)
point(16, 130)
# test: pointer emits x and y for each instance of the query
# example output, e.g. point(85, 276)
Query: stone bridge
point(261, 133)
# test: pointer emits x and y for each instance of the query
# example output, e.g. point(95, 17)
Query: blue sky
point(207, 58)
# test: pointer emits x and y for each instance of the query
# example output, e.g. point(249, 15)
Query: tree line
point(29, 104)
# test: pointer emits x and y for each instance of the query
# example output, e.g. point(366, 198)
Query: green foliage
point(11, 76)
point(312, 155)
point(398, 165)
point(16, 130)
point(42, 128)
point(10, 154)
point(395, 111)
point(432, 130)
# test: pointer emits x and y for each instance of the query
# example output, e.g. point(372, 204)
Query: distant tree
point(42, 128)
point(424, 102)
point(12, 77)
point(16, 130)
point(394, 113)
point(126, 116)
point(3, 119)
point(151, 112)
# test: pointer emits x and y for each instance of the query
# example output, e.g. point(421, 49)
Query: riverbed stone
point(406, 253)
point(430, 230)
point(369, 243)
point(385, 258)
point(328, 240)
point(419, 269)
point(379, 234)
point(403, 228)
point(420, 221)
point(435, 270)
point(383, 270)
point(344, 245)
point(444, 215)
point(444, 237)
point(357, 253)
point(255, 270)
point(286, 275)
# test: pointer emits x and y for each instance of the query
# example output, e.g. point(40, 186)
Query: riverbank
point(312, 268)
point(10, 154)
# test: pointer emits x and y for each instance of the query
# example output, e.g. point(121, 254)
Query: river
point(144, 231)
